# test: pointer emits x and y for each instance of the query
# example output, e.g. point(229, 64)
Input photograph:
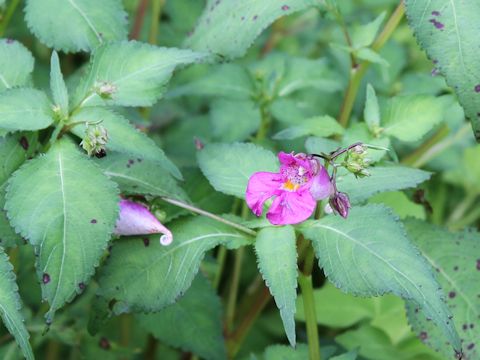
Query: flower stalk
point(306, 286)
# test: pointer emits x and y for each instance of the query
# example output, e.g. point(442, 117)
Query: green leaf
point(123, 137)
point(137, 72)
point(370, 55)
point(410, 117)
point(10, 305)
point(57, 85)
point(372, 110)
point(76, 25)
point(16, 64)
point(193, 323)
point(337, 309)
point(446, 29)
point(139, 176)
point(467, 171)
point(230, 81)
point(229, 166)
point(321, 126)
point(14, 150)
point(372, 343)
point(24, 109)
point(234, 120)
point(277, 261)
point(351, 355)
point(455, 256)
point(302, 73)
point(144, 276)
point(400, 204)
point(368, 254)
point(229, 27)
point(364, 35)
point(66, 208)
point(283, 352)
point(388, 178)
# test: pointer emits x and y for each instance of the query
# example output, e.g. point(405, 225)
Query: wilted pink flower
point(296, 188)
point(136, 219)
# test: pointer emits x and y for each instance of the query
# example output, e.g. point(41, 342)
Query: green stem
point(234, 284)
point(8, 16)
point(221, 256)
point(460, 210)
point(419, 152)
point(139, 17)
point(209, 215)
point(357, 73)
point(306, 286)
point(435, 146)
point(157, 6)
point(262, 298)
point(466, 220)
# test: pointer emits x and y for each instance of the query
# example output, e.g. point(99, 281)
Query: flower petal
point(291, 208)
point(262, 186)
point(321, 186)
point(136, 219)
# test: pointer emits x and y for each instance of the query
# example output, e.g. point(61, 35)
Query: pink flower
point(136, 219)
point(296, 188)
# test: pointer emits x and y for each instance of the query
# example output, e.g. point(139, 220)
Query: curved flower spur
point(136, 219)
point(302, 181)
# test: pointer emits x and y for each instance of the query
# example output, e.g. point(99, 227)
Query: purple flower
point(295, 189)
point(136, 219)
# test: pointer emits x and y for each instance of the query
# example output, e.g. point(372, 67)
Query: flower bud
point(95, 140)
point(340, 204)
point(136, 219)
point(105, 90)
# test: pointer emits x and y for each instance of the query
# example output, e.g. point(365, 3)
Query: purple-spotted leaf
point(229, 27)
point(368, 254)
point(448, 31)
point(66, 208)
point(455, 258)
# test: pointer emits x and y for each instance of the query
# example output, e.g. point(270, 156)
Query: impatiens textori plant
point(226, 179)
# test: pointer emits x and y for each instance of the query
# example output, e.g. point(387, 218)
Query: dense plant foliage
point(173, 171)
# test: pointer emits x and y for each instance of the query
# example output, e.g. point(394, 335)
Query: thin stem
point(125, 327)
point(139, 17)
point(434, 147)
point(466, 220)
point(306, 286)
point(348, 39)
point(221, 256)
point(439, 135)
point(209, 215)
point(356, 74)
point(8, 16)
point(234, 284)
point(157, 6)
point(461, 208)
point(262, 298)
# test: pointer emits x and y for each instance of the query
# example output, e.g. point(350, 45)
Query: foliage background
point(284, 92)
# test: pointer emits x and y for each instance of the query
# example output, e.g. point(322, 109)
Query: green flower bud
point(105, 90)
point(95, 140)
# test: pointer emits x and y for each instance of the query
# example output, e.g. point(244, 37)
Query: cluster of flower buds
point(356, 161)
point(105, 89)
point(95, 140)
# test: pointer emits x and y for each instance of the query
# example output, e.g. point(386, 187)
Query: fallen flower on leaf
point(136, 219)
